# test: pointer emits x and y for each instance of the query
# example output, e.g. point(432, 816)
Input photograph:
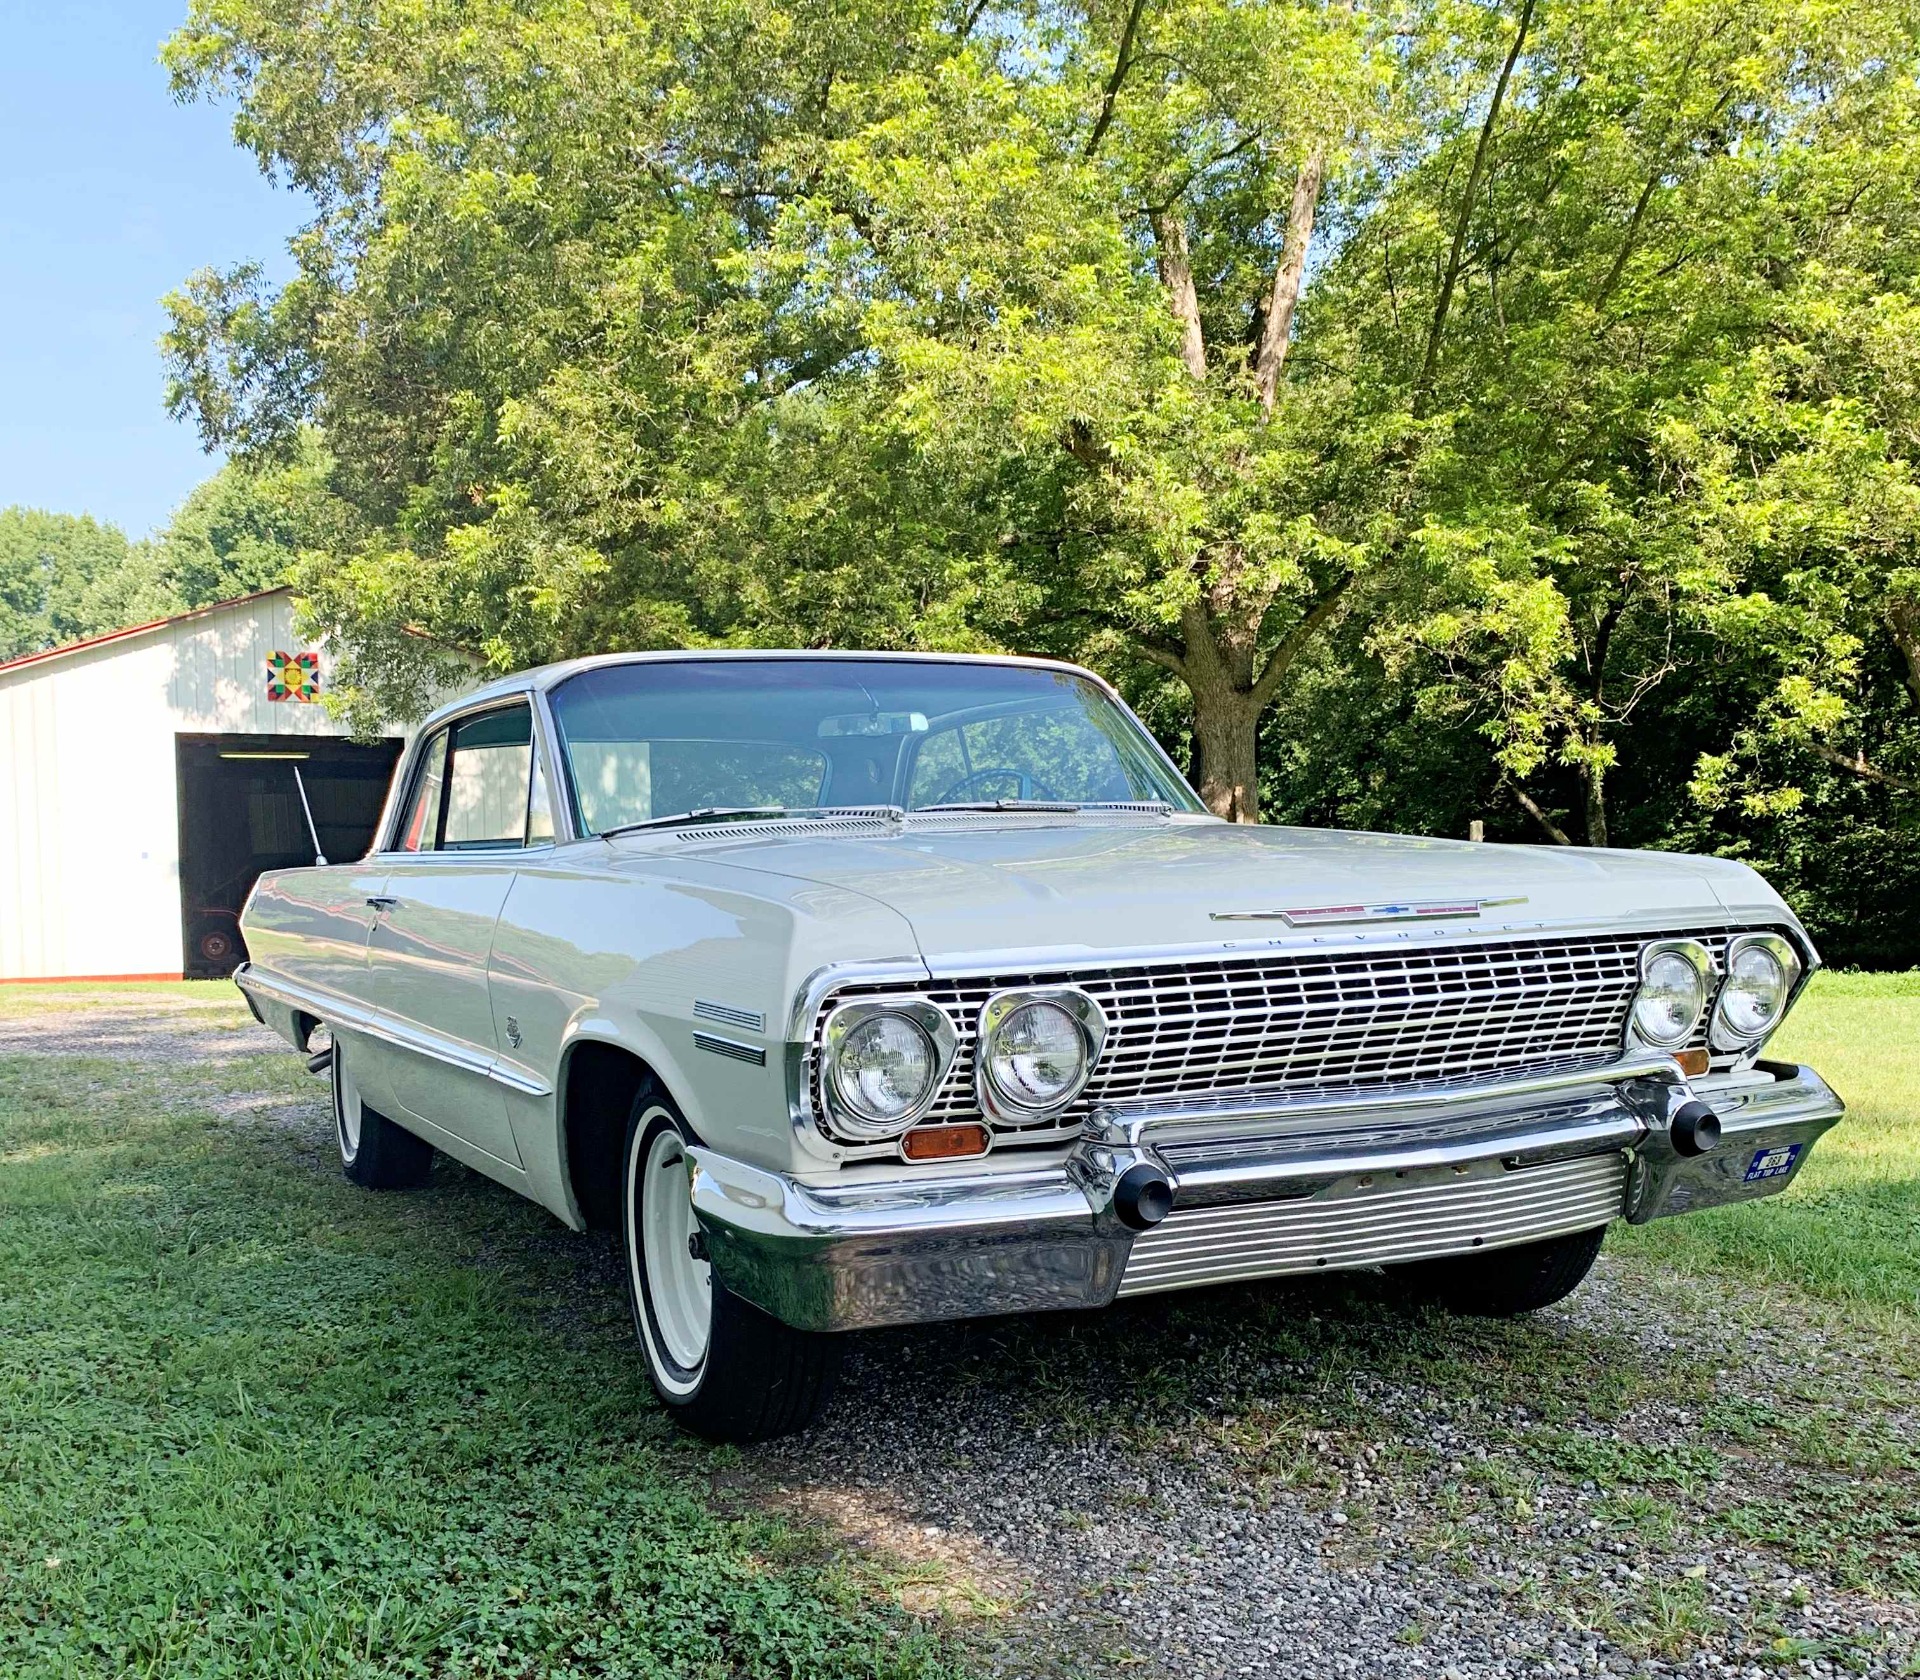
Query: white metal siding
point(89, 821)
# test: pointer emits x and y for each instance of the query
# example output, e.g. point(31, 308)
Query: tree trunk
point(1593, 782)
point(1903, 619)
point(1277, 325)
point(1176, 274)
point(1226, 732)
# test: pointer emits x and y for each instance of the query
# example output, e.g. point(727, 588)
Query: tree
point(243, 529)
point(603, 306)
point(1184, 336)
point(1676, 196)
point(66, 576)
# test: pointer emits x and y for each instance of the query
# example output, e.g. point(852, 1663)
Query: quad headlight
point(1035, 1051)
point(1762, 969)
point(1675, 975)
point(884, 1060)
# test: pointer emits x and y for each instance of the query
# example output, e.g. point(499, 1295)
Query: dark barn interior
point(240, 813)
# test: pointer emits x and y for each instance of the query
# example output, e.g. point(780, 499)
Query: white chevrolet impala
point(862, 989)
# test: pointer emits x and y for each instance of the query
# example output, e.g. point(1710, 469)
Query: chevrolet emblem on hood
point(1329, 915)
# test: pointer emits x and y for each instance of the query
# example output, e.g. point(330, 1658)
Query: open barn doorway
point(240, 813)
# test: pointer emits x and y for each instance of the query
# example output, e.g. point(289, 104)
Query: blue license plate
point(1776, 1162)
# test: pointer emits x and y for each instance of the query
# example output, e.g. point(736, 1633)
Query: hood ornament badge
point(1335, 915)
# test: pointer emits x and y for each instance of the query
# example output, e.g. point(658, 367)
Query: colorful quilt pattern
point(293, 676)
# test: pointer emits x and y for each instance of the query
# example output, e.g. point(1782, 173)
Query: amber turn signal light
point(1693, 1063)
point(944, 1143)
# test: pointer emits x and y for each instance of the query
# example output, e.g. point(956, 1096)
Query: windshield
point(658, 739)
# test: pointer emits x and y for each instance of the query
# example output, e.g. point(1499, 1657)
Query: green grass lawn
point(1849, 1229)
point(254, 1421)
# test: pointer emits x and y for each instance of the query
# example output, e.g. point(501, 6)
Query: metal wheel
point(724, 1368)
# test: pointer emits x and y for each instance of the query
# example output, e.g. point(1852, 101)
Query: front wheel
point(1506, 1282)
point(723, 1367)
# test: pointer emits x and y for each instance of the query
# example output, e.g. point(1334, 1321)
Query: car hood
point(1094, 888)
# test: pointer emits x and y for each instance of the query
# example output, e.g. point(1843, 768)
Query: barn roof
point(133, 630)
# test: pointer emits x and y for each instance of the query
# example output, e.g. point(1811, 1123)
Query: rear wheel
point(723, 1367)
point(374, 1152)
point(1506, 1282)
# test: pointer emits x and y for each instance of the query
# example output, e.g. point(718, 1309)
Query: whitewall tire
point(374, 1152)
point(723, 1367)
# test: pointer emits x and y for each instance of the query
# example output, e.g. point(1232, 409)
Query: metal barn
point(146, 778)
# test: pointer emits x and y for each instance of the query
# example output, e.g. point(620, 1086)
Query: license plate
point(1776, 1162)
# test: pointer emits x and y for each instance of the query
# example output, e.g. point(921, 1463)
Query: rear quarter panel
point(311, 925)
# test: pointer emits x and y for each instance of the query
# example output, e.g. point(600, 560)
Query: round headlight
point(1037, 1056)
point(883, 1068)
point(1755, 994)
point(1673, 991)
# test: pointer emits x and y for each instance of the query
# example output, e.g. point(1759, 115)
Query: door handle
point(380, 901)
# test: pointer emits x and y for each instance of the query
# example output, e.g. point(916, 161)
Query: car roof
point(542, 677)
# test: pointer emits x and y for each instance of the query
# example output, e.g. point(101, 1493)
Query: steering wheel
point(1025, 787)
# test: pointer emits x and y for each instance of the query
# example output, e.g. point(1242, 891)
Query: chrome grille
point(1289, 1022)
point(1379, 1227)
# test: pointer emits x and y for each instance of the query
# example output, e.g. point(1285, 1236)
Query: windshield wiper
point(706, 814)
point(738, 813)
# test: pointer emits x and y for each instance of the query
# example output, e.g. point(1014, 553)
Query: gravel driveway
point(1312, 1479)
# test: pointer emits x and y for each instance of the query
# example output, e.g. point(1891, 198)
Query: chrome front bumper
point(1257, 1192)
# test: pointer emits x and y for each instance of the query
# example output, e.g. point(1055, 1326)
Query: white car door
point(463, 831)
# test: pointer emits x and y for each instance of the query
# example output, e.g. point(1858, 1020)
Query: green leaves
point(830, 323)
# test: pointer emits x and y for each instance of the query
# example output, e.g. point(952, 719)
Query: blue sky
point(110, 196)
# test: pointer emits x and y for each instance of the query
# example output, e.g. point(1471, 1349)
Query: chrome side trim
point(332, 1008)
point(718, 1046)
point(726, 1015)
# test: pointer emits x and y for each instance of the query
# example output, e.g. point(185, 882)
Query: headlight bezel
point(1701, 960)
point(1080, 1008)
point(846, 1118)
point(1722, 1034)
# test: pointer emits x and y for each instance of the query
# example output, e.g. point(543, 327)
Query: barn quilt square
point(293, 676)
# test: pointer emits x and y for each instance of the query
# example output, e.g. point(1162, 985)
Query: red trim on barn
point(141, 629)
